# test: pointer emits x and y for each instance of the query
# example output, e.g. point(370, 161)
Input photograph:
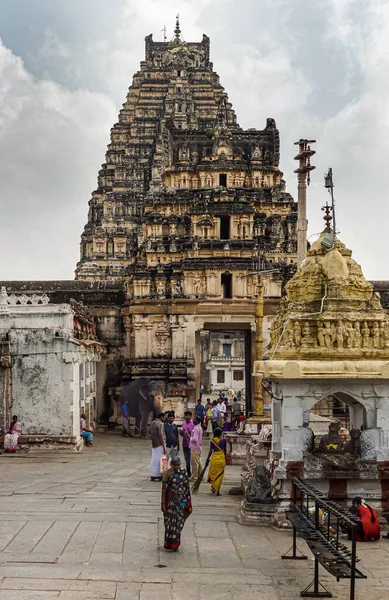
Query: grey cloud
point(318, 68)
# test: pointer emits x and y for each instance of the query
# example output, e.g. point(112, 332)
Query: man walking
point(195, 448)
point(126, 419)
point(158, 444)
point(186, 432)
point(172, 437)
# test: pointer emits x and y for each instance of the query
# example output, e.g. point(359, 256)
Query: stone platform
point(88, 525)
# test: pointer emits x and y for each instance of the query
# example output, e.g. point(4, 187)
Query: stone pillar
point(149, 350)
point(197, 361)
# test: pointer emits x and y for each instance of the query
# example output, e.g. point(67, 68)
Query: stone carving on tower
point(331, 310)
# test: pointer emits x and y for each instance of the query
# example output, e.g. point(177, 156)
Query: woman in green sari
point(176, 503)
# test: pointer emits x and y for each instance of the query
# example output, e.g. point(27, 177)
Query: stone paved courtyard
point(80, 526)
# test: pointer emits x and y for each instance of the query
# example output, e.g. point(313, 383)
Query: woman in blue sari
point(176, 503)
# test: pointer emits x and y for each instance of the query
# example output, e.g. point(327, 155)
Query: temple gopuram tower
point(189, 206)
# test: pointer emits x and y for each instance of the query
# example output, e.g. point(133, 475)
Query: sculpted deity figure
point(178, 287)
point(353, 446)
point(331, 442)
point(382, 334)
point(376, 301)
point(297, 333)
point(288, 335)
point(350, 335)
point(365, 335)
point(197, 285)
point(160, 288)
point(320, 335)
point(306, 332)
point(328, 339)
point(259, 489)
point(386, 335)
point(340, 334)
point(357, 335)
point(375, 334)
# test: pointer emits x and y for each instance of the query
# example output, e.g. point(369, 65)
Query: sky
point(319, 68)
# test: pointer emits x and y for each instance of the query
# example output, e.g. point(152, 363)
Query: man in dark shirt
point(200, 410)
point(172, 438)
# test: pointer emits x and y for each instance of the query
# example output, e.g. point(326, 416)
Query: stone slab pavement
point(82, 526)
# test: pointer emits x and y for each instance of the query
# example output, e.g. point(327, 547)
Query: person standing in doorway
point(172, 437)
point(195, 446)
point(201, 391)
point(186, 432)
point(158, 444)
point(126, 419)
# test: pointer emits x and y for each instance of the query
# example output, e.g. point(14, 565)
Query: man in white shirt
point(222, 407)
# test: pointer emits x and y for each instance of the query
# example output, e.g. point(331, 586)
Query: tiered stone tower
point(187, 203)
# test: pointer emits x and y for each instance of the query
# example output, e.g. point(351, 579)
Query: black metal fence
point(320, 522)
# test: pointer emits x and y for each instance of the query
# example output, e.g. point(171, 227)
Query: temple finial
point(177, 31)
point(327, 218)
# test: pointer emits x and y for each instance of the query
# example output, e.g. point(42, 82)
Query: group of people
point(167, 439)
point(220, 414)
point(11, 438)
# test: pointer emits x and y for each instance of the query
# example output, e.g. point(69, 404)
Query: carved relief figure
point(259, 489)
point(288, 335)
point(357, 335)
point(382, 335)
point(328, 339)
point(306, 333)
point(375, 334)
point(353, 446)
point(365, 335)
point(340, 334)
point(297, 333)
point(197, 285)
point(320, 335)
point(376, 301)
point(350, 335)
point(160, 288)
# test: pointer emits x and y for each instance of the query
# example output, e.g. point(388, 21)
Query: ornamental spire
point(177, 31)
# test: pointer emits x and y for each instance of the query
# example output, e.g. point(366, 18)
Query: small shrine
point(330, 339)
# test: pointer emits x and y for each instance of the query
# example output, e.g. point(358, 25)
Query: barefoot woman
point(217, 465)
point(176, 503)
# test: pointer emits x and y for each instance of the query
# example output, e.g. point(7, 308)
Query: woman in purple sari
point(176, 503)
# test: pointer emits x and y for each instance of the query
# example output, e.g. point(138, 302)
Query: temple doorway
point(341, 408)
point(226, 363)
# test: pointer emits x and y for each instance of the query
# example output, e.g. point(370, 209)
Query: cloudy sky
point(320, 68)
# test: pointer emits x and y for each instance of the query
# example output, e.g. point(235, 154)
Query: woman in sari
point(176, 503)
point(217, 453)
point(11, 439)
point(368, 522)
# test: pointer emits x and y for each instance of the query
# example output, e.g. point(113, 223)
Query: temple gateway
point(188, 207)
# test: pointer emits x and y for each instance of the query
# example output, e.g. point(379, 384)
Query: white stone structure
point(48, 366)
point(330, 338)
